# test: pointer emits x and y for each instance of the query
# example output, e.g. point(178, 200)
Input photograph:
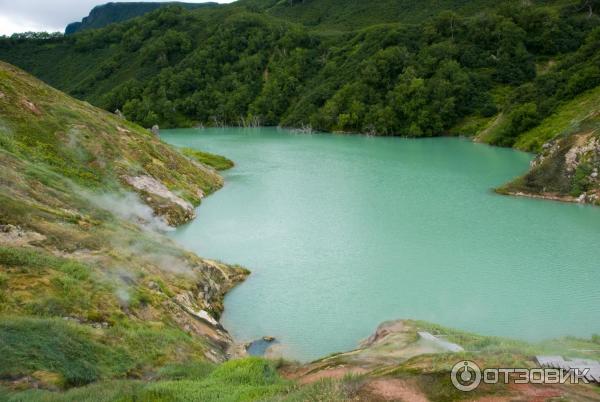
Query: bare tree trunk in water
point(589, 4)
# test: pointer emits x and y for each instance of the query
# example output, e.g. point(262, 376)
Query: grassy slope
point(249, 379)
point(92, 148)
point(566, 120)
point(85, 144)
point(88, 291)
point(389, 360)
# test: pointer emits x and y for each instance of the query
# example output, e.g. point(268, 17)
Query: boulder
point(165, 203)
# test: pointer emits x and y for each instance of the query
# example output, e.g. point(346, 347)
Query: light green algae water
point(344, 232)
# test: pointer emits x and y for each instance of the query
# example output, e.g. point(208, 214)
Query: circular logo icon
point(466, 375)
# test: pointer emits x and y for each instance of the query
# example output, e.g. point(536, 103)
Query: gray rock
point(153, 188)
point(155, 130)
point(15, 236)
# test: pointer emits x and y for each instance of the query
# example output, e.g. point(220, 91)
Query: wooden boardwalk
point(557, 362)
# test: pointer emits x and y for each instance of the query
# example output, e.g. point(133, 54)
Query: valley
point(178, 180)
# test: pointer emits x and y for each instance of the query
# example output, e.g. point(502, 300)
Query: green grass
point(569, 346)
point(37, 283)
point(186, 371)
point(567, 119)
point(241, 380)
point(54, 345)
point(250, 379)
point(34, 259)
point(216, 161)
point(255, 379)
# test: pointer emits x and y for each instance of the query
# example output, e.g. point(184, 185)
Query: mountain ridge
point(114, 12)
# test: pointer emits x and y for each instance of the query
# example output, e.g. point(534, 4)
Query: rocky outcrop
point(392, 344)
point(567, 169)
point(15, 236)
point(181, 310)
point(585, 150)
point(197, 311)
point(165, 203)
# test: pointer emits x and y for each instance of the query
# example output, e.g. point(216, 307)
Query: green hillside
point(86, 277)
point(356, 14)
point(230, 66)
point(110, 13)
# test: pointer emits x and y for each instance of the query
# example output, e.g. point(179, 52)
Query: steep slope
point(90, 288)
point(568, 166)
point(57, 131)
point(110, 13)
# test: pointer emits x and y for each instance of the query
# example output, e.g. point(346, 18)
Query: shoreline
point(473, 139)
point(238, 348)
point(548, 197)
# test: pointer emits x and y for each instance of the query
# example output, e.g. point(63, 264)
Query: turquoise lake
point(344, 232)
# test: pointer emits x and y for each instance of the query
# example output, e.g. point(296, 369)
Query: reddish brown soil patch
point(537, 393)
point(391, 389)
point(543, 393)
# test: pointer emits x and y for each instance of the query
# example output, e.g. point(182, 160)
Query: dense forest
point(501, 70)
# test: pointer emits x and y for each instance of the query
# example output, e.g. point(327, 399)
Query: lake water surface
point(344, 232)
